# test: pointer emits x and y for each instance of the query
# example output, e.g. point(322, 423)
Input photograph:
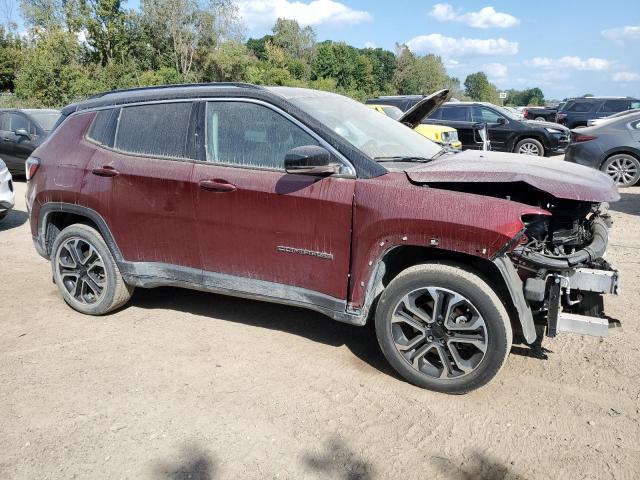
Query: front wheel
point(443, 328)
point(85, 272)
point(529, 146)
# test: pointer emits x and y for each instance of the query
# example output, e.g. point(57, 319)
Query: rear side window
point(456, 114)
point(482, 114)
point(103, 127)
point(579, 107)
point(614, 106)
point(247, 134)
point(158, 130)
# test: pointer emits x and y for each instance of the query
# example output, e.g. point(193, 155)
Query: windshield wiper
point(439, 154)
point(400, 158)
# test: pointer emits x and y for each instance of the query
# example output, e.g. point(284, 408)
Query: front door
point(263, 230)
point(498, 132)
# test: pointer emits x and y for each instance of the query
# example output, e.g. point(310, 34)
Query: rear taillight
point(561, 116)
point(31, 167)
point(525, 113)
point(581, 137)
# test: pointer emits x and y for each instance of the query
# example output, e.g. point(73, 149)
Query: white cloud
point(494, 70)
point(369, 45)
point(264, 13)
point(486, 17)
point(575, 63)
point(620, 34)
point(625, 77)
point(448, 46)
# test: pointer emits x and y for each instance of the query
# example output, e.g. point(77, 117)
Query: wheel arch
point(399, 258)
point(634, 152)
point(54, 217)
point(525, 135)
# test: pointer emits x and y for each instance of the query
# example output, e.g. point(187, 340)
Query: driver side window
point(482, 114)
point(251, 135)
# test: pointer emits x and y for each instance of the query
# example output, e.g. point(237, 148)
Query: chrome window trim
point(349, 169)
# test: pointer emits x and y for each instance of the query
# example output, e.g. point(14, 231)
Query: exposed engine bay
point(561, 262)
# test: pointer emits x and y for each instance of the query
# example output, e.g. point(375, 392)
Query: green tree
point(418, 75)
point(11, 54)
point(104, 22)
point(297, 42)
point(478, 88)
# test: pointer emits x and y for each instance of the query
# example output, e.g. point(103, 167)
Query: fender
point(620, 149)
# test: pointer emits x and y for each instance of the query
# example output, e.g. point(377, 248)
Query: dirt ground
point(189, 385)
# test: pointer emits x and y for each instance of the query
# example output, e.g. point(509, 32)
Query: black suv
point(507, 132)
point(21, 131)
point(578, 111)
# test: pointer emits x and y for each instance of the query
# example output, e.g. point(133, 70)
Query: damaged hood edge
point(561, 179)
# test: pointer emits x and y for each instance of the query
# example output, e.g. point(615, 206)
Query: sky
point(565, 47)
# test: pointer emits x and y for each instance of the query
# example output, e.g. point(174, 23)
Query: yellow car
point(445, 136)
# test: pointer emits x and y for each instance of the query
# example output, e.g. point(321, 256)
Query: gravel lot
point(191, 385)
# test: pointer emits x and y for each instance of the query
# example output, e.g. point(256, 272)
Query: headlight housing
point(552, 130)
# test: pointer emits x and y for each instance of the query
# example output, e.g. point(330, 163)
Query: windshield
point(378, 136)
point(507, 113)
point(393, 112)
point(46, 120)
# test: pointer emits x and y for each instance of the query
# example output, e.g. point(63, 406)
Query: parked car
point(7, 195)
point(21, 131)
point(312, 199)
point(597, 121)
point(507, 133)
point(612, 147)
point(578, 111)
point(440, 134)
point(541, 114)
point(516, 112)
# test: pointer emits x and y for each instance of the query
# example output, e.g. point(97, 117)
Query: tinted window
point(482, 114)
point(157, 130)
point(614, 106)
point(15, 121)
point(458, 114)
point(103, 127)
point(579, 107)
point(251, 135)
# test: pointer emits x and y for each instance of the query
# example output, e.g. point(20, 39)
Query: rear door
point(256, 223)
point(139, 180)
point(458, 117)
point(609, 107)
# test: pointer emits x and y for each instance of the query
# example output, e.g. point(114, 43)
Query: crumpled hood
point(556, 177)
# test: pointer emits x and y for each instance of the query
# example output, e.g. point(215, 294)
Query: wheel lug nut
point(442, 342)
point(429, 337)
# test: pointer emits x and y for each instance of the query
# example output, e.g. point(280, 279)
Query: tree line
point(76, 48)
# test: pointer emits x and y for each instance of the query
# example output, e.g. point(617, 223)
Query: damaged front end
point(560, 259)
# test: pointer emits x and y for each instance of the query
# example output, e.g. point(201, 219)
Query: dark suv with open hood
point(311, 199)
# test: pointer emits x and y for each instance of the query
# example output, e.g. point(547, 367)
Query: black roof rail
point(176, 85)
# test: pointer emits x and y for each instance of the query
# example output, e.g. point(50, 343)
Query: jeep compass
point(311, 199)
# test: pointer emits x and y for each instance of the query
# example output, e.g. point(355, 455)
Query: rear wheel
point(443, 328)
point(540, 119)
point(86, 273)
point(529, 146)
point(623, 168)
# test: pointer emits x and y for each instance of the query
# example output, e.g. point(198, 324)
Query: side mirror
point(502, 121)
point(309, 160)
point(21, 132)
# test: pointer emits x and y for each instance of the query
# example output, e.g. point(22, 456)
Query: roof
point(164, 92)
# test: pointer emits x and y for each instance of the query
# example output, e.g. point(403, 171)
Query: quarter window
point(158, 130)
point(252, 135)
point(103, 127)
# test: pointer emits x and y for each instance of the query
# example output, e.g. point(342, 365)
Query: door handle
point(105, 171)
point(217, 185)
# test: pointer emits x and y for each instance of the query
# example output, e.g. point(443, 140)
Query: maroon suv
point(311, 199)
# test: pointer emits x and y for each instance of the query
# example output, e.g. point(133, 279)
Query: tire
point(417, 355)
point(529, 146)
point(540, 119)
point(86, 273)
point(623, 168)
